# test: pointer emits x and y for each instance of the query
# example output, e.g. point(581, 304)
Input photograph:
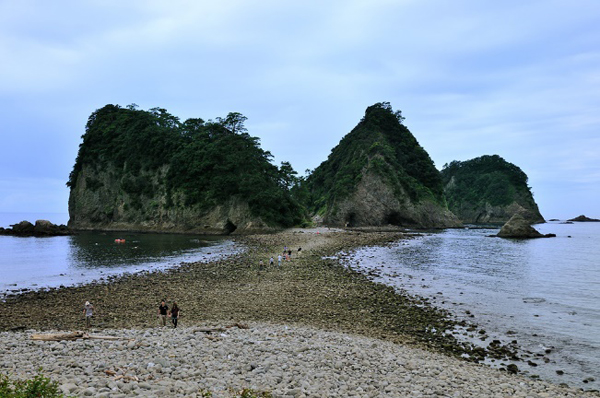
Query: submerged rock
point(519, 227)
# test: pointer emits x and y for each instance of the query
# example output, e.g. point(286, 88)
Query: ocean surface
point(544, 293)
point(35, 263)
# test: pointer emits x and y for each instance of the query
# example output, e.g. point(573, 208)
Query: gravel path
point(287, 361)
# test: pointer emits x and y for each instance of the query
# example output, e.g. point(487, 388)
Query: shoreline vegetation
point(311, 292)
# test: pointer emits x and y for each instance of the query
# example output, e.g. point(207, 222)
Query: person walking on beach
point(174, 314)
point(88, 312)
point(163, 309)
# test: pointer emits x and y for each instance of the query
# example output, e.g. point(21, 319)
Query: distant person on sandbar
point(88, 312)
point(163, 309)
point(174, 314)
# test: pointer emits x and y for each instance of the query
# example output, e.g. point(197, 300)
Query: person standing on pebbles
point(163, 309)
point(174, 314)
point(88, 312)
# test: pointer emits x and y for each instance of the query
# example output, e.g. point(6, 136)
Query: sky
point(520, 79)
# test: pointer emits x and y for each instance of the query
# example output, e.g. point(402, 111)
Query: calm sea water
point(545, 290)
point(34, 263)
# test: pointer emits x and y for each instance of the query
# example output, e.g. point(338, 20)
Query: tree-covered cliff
point(488, 189)
point(377, 175)
point(141, 169)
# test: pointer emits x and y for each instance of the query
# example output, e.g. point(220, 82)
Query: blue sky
point(513, 78)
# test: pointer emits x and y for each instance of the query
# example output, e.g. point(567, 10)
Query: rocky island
point(519, 227)
point(41, 228)
point(583, 218)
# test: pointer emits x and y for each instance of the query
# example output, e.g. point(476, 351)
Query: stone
point(520, 228)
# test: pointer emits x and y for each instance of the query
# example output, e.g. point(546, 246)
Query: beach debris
point(71, 336)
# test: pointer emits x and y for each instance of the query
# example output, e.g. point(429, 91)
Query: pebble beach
point(284, 360)
point(314, 329)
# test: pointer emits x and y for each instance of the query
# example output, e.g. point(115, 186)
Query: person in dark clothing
point(174, 314)
point(163, 309)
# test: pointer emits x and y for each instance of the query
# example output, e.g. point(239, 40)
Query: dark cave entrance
point(351, 220)
point(394, 218)
point(230, 227)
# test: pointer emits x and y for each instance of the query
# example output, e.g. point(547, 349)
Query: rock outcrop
point(583, 218)
point(488, 189)
point(519, 227)
point(41, 228)
point(379, 175)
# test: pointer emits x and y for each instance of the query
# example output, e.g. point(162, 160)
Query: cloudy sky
point(520, 79)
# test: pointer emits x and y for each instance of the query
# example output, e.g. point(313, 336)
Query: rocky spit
point(345, 334)
point(283, 360)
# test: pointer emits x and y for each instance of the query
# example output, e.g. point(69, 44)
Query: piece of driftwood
point(218, 329)
point(208, 330)
point(72, 336)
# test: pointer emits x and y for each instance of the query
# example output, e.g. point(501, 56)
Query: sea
point(544, 293)
point(33, 263)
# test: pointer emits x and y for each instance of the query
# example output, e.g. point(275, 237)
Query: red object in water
point(119, 240)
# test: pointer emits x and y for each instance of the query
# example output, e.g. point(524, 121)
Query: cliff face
point(375, 203)
point(488, 189)
point(107, 206)
point(379, 175)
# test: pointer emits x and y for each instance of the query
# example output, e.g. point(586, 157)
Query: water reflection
point(94, 250)
point(27, 263)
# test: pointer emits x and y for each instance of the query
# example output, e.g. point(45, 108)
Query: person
point(279, 260)
point(271, 261)
point(163, 309)
point(88, 311)
point(260, 265)
point(174, 314)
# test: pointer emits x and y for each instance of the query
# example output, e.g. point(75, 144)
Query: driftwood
point(72, 336)
point(217, 329)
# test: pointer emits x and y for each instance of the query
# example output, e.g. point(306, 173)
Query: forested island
point(147, 170)
point(488, 189)
point(379, 175)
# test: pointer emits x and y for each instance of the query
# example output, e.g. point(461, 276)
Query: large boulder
point(23, 228)
point(519, 227)
point(46, 228)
